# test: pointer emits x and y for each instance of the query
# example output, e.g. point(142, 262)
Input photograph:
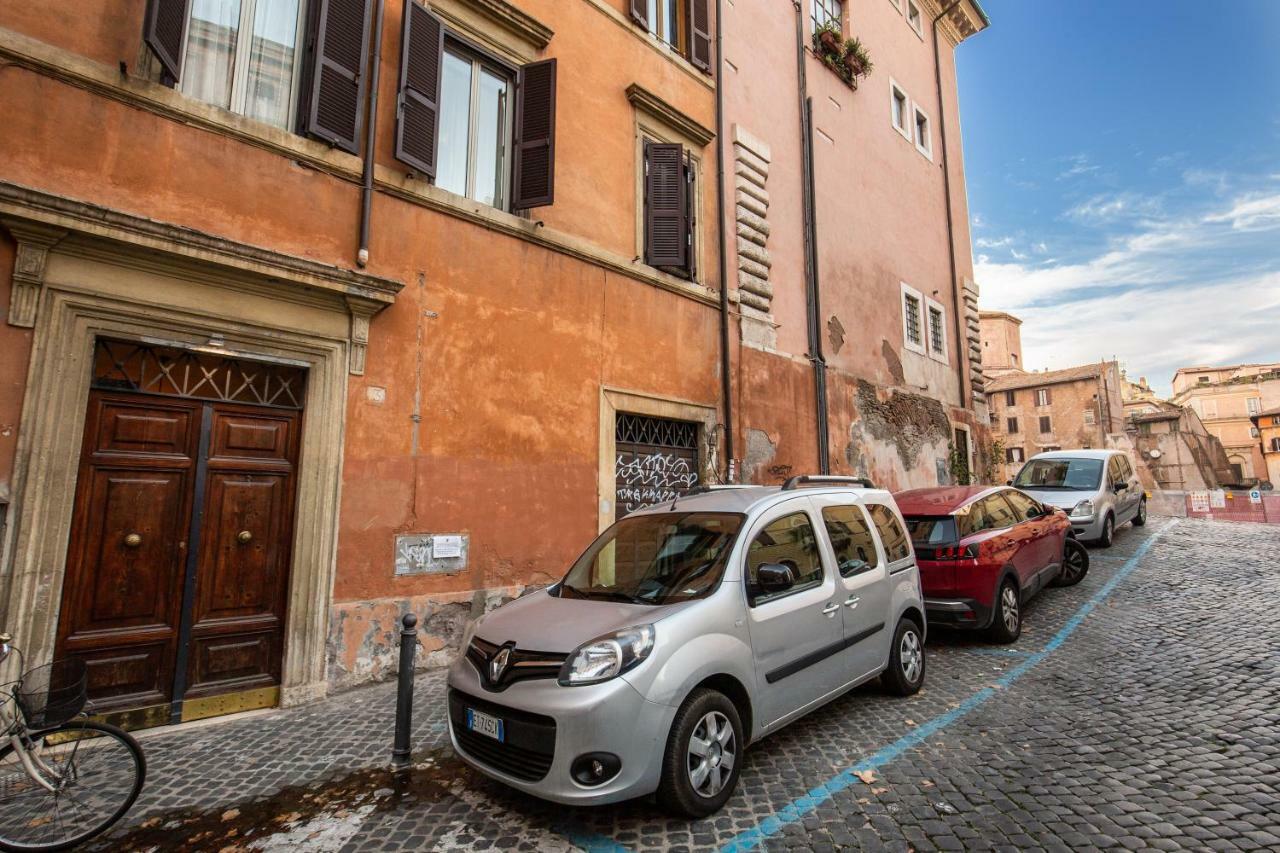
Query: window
point(824, 12)
point(924, 140)
point(1144, 428)
point(937, 330)
point(1046, 426)
point(851, 539)
point(1275, 420)
point(899, 109)
point(241, 55)
point(1203, 380)
point(1014, 357)
point(685, 25)
point(670, 206)
point(789, 541)
point(914, 18)
point(475, 126)
point(1275, 445)
point(1010, 398)
point(1060, 474)
point(999, 514)
point(1024, 508)
point(1114, 475)
point(1253, 432)
point(896, 544)
point(1011, 425)
point(1014, 454)
point(1042, 396)
point(912, 319)
point(1089, 418)
point(1255, 405)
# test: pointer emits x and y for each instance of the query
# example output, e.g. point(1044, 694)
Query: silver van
point(685, 632)
point(1098, 489)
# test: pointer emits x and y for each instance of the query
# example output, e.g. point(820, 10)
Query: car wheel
point(1140, 520)
point(1006, 621)
point(704, 755)
point(905, 674)
point(1108, 536)
point(1075, 564)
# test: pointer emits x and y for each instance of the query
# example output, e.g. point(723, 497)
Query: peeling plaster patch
point(907, 421)
point(835, 333)
point(760, 452)
point(892, 362)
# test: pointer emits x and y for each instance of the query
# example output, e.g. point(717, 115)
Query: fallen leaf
point(926, 784)
point(878, 791)
point(911, 722)
point(867, 776)
point(231, 814)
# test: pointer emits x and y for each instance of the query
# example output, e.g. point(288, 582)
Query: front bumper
point(1086, 527)
point(957, 612)
point(610, 717)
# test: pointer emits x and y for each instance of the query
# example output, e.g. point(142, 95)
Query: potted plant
point(856, 61)
point(827, 40)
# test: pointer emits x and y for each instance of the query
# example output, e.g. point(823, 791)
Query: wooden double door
point(178, 563)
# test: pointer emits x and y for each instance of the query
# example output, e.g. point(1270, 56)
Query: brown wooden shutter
point(535, 147)
point(690, 218)
point(640, 12)
point(665, 223)
point(700, 34)
point(336, 112)
point(165, 24)
point(418, 104)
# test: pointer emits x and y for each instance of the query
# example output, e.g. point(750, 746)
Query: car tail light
point(954, 552)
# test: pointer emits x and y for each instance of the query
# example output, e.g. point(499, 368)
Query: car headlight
point(607, 657)
point(1083, 508)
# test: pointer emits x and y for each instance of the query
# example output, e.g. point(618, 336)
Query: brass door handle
point(244, 537)
point(133, 540)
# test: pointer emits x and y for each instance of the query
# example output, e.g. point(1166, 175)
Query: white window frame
point(927, 148)
point(1253, 432)
point(240, 63)
point(897, 4)
point(914, 346)
point(479, 63)
point(1254, 405)
point(894, 91)
point(918, 26)
point(1042, 396)
point(1090, 419)
point(936, 353)
point(1275, 445)
point(816, 6)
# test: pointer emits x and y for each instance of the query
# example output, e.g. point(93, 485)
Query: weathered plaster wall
point(15, 351)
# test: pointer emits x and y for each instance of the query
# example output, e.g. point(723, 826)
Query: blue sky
point(1123, 171)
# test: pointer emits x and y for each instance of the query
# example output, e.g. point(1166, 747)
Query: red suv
point(984, 551)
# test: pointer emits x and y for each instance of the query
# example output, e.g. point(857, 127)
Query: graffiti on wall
point(645, 479)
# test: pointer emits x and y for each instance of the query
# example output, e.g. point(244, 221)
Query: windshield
point(931, 530)
point(1084, 474)
point(655, 559)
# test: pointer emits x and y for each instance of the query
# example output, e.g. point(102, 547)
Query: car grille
point(522, 666)
point(530, 743)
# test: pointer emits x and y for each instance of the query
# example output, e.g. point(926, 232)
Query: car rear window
point(930, 530)
point(892, 536)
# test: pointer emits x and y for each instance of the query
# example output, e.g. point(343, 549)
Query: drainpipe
point(813, 301)
point(962, 339)
point(370, 137)
point(726, 385)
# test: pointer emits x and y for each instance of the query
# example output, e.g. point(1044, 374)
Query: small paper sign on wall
point(431, 553)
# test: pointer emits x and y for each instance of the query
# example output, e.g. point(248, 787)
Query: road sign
point(1255, 496)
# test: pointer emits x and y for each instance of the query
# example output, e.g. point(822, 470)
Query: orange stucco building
point(314, 312)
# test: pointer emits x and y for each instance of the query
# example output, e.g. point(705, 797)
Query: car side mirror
point(774, 577)
point(1120, 487)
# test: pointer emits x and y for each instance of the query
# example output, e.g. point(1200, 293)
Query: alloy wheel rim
point(911, 655)
point(1009, 608)
point(1142, 511)
point(1072, 563)
point(1108, 529)
point(712, 754)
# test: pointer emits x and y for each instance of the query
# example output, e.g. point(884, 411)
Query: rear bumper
point(957, 612)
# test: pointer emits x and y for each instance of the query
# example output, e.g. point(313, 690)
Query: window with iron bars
point(823, 12)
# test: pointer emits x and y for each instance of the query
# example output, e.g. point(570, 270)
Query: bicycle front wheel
point(95, 772)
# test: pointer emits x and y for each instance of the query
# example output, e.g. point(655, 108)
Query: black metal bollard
point(400, 752)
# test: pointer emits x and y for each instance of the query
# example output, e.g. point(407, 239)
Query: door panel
point(862, 586)
point(121, 601)
point(242, 573)
point(796, 636)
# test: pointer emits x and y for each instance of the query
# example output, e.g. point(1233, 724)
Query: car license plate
point(485, 725)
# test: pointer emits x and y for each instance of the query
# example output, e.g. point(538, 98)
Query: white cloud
point(1112, 207)
point(992, 243)
point(1254, 213)
point(1078, 164)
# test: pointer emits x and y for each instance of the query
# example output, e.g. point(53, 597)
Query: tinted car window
point(894, 538)
point(972, 518)
point(654, 559)
point(928, 531)
point(998, 512)
point(1060, 474)
point(1023, 506)
point(851, 539)
point(789, 541)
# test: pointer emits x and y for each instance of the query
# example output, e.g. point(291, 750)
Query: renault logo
point(498, 664)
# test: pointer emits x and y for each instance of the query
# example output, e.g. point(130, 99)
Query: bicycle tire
point(131, 750)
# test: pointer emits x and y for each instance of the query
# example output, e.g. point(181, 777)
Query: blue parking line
point(797, 809)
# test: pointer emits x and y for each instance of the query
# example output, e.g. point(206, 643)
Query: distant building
point(1176, 450)
point(1138, 397)
point(1001, 337)
point(1226, 398)
point(1267, 423)
point(1055, 410)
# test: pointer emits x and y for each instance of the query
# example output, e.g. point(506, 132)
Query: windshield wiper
point(610, 595)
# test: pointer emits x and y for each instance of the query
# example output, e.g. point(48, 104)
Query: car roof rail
point(715, 487)
point(826, 480)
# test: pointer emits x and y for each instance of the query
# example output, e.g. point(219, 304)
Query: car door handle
point(830, 609)
point(851, 601)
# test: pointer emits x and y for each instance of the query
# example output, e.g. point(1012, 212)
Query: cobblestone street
point(1140, 708)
